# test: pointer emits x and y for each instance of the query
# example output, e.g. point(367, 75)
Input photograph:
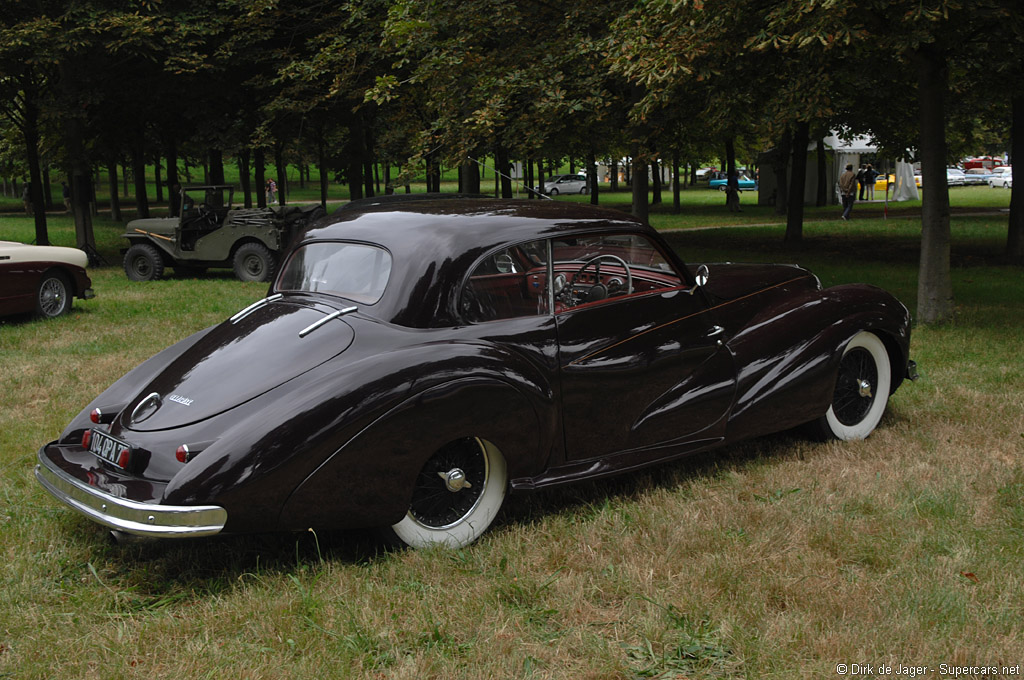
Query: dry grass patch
point(776, 558)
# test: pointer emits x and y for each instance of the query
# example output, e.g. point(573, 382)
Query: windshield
point(355, 271)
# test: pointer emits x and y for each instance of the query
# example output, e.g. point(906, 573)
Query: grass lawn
point(776, 558)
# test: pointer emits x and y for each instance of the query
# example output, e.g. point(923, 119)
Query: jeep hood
point(164, 226)
point(238, 360)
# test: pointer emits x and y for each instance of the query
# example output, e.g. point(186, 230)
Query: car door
point(642, 368)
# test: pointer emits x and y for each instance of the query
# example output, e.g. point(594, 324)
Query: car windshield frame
point(367, 284)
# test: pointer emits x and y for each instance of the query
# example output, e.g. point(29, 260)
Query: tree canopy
point(418, 83)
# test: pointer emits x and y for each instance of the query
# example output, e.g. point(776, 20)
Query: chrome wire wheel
point(455, 496)
point(52, 299)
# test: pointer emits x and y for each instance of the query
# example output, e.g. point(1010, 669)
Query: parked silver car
point(566, 184)
point(1002, 177)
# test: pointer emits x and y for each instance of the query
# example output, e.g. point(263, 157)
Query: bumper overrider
point(122, 514)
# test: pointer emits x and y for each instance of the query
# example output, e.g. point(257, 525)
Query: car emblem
point(146, 408)
point(177, 398)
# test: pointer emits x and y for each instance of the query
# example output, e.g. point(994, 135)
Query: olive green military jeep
point(209, 232)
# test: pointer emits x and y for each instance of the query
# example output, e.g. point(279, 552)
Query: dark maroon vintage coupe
point(414, 360)
point(41, 279)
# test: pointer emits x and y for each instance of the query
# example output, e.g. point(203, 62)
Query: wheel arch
point(368, 481)
point(69, 278)
point(165, 251)
point(797, 385)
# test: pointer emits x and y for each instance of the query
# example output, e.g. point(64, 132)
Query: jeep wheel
point(142, 262)
point(254, 262)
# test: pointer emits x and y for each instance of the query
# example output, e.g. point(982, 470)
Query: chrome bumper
point(141, 519)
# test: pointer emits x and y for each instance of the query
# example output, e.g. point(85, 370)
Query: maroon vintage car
point(41, 279)
point(416, 359)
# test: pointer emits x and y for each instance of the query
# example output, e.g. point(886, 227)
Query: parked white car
point(955, 178)
point(1002, 177)
point(566, 184)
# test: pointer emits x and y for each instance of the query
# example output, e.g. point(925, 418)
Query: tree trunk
point(1015, 232)
point(30, 131)
point(732, 184)
point(139, 172)
point(156, 177)
point(540, 176)
point(676, 189)
point(115, 201)
point(260, 176)
point(795, 210)
point(656, 182)
point(780, 166)
point(821, 193)
point(321, 167)
point(47, 191)
point(216, 166)
point(934, 283)
point(592, 177)
point(242, 161)
point(282, 174)
point(501, 161)
point(173, 183)
point(613, 177)
point(470, 177)
point(85, 239)
point(641, 209)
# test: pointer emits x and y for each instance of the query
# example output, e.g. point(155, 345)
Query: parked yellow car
point(884, 181)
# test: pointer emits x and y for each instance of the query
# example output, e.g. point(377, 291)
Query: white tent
point(840, 154)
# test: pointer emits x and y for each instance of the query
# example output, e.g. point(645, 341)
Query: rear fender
point(789, 356)
point(369, 480)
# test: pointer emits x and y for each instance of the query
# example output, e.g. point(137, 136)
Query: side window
point(599, 267)
point(507, 284)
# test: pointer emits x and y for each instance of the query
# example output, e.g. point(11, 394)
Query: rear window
point(356, 271)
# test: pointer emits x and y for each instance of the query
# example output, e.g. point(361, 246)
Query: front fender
point(789, 355)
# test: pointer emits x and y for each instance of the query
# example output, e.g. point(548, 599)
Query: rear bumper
point(132, 517)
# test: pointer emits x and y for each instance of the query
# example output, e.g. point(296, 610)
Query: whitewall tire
point(457, 494)
point(862, 390)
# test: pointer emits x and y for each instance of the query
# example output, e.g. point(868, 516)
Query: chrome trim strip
point(333, 315)
point(141, 519)
point(254, 306)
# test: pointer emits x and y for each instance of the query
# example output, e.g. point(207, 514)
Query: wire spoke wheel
point(861, 391)
point(450, 484)
point(52, 299)
point(856, 387)
point(455, 496)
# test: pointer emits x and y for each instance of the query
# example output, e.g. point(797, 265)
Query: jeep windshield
point(355, 271)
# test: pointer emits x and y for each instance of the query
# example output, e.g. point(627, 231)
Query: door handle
point(715, 332)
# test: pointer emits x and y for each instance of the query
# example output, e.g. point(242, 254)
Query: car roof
point(434, 242)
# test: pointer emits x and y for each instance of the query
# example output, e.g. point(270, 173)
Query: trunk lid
point(237, 361)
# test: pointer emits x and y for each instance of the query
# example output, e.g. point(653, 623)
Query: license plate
point(110, 449)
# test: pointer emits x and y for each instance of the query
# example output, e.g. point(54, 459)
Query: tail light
point(105, 415)
point(86, 439)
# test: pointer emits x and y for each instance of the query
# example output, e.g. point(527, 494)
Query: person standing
point(860, 180)
point(65, 191)
point(848, 190)
point(870, 175)
point(271, 190)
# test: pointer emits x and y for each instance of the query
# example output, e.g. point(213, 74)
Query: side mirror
point(701, 278)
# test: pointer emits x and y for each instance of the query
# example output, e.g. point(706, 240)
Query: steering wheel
point(207, 215)
point(598, 291)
